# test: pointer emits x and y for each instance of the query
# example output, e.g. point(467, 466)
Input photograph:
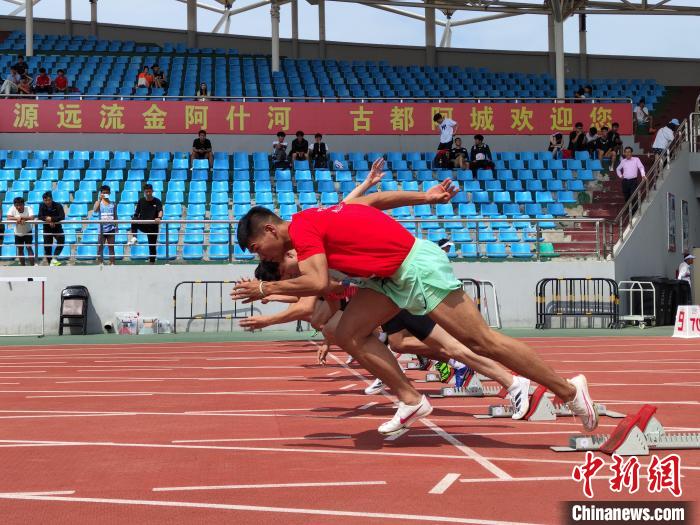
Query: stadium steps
point(677, 102)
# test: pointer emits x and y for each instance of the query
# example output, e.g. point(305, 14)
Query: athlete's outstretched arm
point(314, 280)
point(388, 200)
point(374, 177)
point(301, 310)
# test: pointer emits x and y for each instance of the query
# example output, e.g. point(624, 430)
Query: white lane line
point(89, 395)
point(536, 478)
point(333, 373)
point(348, 387)
point(49, 493)
point(127, 380)
point(444, 483)
point(126, 370)
point(26, 372)
point(278, 391)
point(271, 486)
point(496, 471)
point(34, 363)
point(111, 381)
point(256, 508)
point(368, 405)
point(10, 383)
point(234, 440)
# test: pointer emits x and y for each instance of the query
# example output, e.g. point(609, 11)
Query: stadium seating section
point(110, 67)
point(531, 187)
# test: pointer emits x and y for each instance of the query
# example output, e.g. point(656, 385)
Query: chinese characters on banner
point(262, 118)
point(661, 475)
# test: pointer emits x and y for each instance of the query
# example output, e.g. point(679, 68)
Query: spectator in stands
point(577, 139)
point(480, 155)
point(300, 147)
point(643, 119)
point(592, 140)
point(588, 92)
point(279, 152)
point(21, 66)
point(145, 79)
point(459, 155)
point(319, 152)
point(578, 96)
point(555, 144)
point(25, 86)
point(42, 83)
point(159, 80)
point(107, 210)
point(203, 92)
point(20, 215)
point(10, 86)
point(60, 83)
point(149, 208)
point(201, 148)
point(664, 137)
point(684, 271)
point(52, 214)
point(607, 148)
point(616, 139)
point(447, 127)
point(630, 171)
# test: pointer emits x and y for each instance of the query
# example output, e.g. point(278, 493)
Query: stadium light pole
point(29, 27)
point(295, 28)
point(430, 36)
point(550, 55)
point(582, 47)
point(275, 21)
point(559, 54)
point(191, 23)
point(322, 29)
point(93, 17)
point(69, 17)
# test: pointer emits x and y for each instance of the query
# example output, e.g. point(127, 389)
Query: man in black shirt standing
point(201, 148)
point(300, 147)
point(148, 209)
point(52, 214)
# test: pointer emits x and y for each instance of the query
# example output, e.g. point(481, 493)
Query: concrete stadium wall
point(148, 290)
point(259, 142)
point(668, 71)
point(645, 251)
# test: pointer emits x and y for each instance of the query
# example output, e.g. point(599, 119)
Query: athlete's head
point(263, 233)
point(273, 271)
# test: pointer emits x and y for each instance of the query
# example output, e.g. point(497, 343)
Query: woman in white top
point(664, 137)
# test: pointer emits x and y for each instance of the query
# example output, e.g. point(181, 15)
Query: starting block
point(542, 408)
point(434, 377)
point(636, 435)
point(473, 387)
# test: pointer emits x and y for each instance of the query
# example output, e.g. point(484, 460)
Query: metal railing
point(543, 239)
point(350, 99)
point(656, 174)
point(694, 129)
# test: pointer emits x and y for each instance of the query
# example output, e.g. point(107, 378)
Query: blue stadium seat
point(521, 250)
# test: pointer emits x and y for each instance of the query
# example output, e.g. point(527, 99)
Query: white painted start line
point(271, 486)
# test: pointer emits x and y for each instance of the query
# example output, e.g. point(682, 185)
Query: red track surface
point(99, 429)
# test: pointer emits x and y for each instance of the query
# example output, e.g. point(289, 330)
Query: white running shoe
point(349, 360)
point(133, 240)
point(55, 262)
point(519, 395)
point(582, 405)
point(405, 416)
point(375, 387)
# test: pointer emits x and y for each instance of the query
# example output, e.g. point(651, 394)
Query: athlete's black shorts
point(419, 326)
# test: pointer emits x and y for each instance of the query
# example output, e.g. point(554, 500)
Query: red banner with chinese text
point(97, 116)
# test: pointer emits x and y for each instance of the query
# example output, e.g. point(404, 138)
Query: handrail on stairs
point(648, 183)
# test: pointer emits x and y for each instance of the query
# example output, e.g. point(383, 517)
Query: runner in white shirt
point(20, 214)
point(684, 268)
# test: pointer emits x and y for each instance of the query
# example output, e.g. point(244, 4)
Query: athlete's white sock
point(382, 337)
point(514, 384)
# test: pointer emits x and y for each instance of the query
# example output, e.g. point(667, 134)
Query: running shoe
point(424, 362)
point(462, 376)
point(446, 371)
point(55, 262)
point(582, 405)
point(519, 395)
point(375, 387)
point(405, 416)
